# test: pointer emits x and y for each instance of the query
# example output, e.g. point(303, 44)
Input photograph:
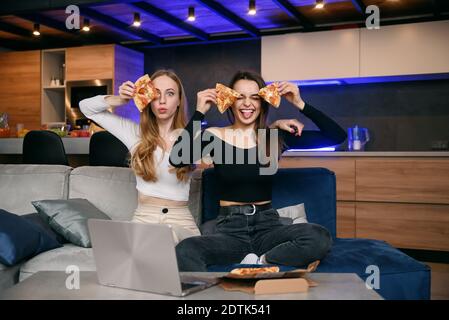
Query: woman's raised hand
point(291, 92)
point(127, 90)
point(205, 99)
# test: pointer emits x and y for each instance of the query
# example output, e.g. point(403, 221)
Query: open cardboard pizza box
point(270, 282)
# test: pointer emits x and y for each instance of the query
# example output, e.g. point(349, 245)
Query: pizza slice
point(145, 92)
point(225, 97)
point(271, 94)
point(254, 271)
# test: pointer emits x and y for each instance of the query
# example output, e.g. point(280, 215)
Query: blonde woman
point(162, 190)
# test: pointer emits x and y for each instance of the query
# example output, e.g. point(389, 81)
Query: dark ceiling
point(164, 23)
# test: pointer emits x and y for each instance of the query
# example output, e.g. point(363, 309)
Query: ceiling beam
point(294, 13)
point(39, 43)
point(28, 41)
point(170, 19)
point(18, 31)
point(13, 7)
point(193, 41)
point(118, 25)
point(231, 17)
point(60, 26)
point(359, 5)
point(45, 39)
point(46, 21)
point(436, 7)
point(14, 44)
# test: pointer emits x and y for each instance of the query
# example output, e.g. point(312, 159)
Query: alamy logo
point(73, 20)
point(373, 20)
point(373, 280)
point(72, 281)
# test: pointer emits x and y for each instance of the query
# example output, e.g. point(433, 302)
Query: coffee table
point(52, 285)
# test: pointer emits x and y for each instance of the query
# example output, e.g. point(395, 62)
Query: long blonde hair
point(142, 159)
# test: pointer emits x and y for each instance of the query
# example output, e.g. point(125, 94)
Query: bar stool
point(43, 147)
point(107, 150)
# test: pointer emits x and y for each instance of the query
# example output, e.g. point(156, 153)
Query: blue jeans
point(262, 233)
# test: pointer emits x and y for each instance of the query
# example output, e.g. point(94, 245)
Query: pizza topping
point(146, 92)
point(253, 271)
point(226, 97)
point(271, 94)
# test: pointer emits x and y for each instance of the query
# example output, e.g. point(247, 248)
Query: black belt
point(246, 209)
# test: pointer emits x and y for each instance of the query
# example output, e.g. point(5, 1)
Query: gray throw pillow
point(69, 218)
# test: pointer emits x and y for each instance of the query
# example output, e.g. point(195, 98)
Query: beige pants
point(179, 218)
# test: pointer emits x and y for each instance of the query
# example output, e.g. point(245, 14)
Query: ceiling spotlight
point(252, 7)
point(191, 15)
point(86, 25)
point(136, 21)
point(36, 29)
point(319, 4)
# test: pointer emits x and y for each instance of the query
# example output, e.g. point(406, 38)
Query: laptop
point(140, 256)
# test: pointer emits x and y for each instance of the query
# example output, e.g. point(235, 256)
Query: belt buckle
point(251, 213)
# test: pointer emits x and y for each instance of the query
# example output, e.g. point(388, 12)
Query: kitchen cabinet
point(397, 50)
point(90, 62)
point(401, 198)
point(308, 56)
point(407, 49)
point(20, 88)
point(27, 93)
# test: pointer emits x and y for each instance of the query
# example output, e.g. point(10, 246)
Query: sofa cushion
point(112, 190)
point(20, 239)
point(58, 260)
point(69, 218)
point(21, 184)
point(41, 222)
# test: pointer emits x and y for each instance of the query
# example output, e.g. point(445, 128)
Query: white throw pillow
point(297, 213)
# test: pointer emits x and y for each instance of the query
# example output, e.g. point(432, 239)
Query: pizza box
point(268, 286)
point(293, 281)
point(297, 273)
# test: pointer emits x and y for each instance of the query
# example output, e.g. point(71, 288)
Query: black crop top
point(242, 175)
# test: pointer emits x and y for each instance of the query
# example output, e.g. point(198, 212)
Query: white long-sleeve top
point(167, 186)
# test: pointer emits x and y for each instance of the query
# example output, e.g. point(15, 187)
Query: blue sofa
point(401, 277)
